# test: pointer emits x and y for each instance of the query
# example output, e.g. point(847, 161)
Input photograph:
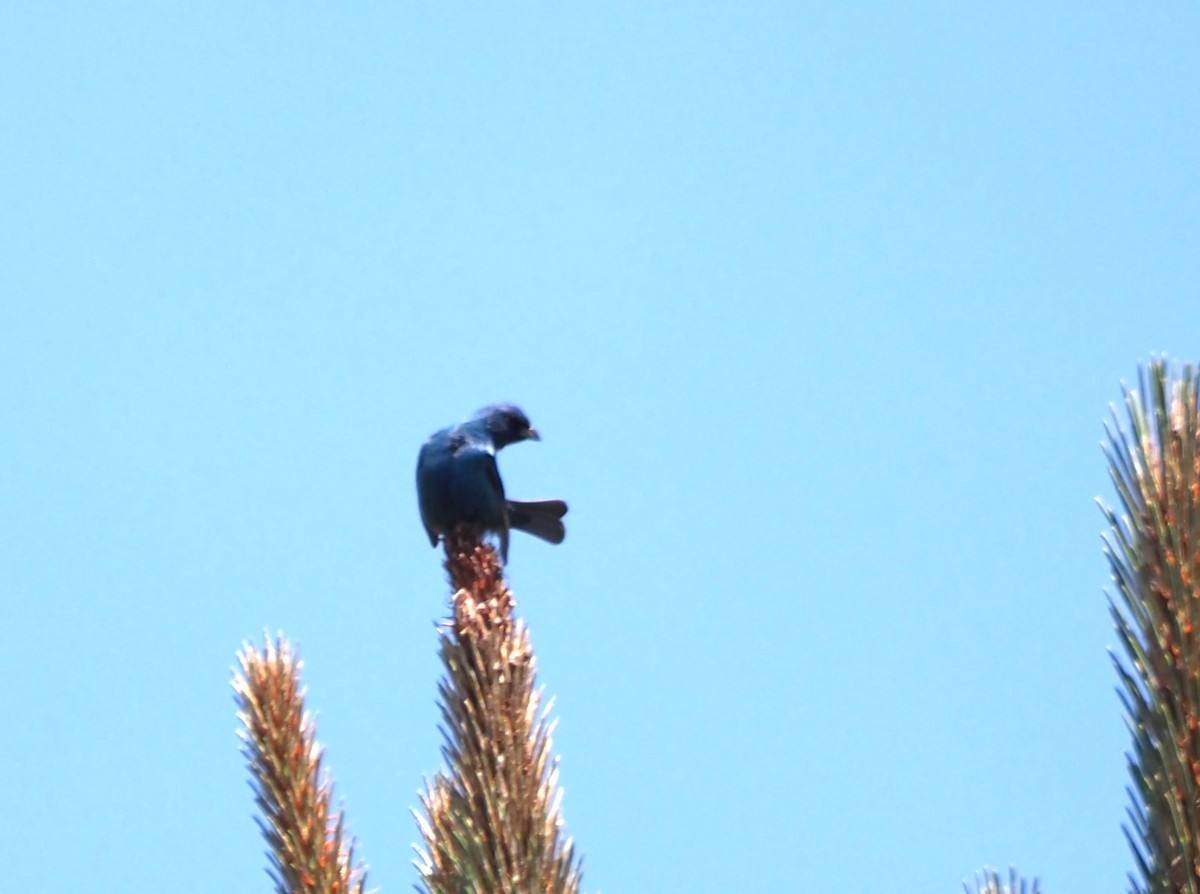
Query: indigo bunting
point(458, 481)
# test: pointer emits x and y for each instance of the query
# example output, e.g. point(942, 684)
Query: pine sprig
point(989, 882)
point(1152, 549)
point(491, 820)
point(310, 853)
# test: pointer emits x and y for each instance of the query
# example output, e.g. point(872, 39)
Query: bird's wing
point(472, 436)
point(493, 476)
point(474, 458)
point(432, 477)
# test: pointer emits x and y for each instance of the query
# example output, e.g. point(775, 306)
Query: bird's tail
point(541, 518)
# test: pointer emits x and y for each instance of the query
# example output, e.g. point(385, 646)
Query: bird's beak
point(531, 434)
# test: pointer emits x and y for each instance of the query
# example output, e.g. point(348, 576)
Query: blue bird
point(458, 481)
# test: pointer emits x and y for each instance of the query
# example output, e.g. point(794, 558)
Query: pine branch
point(1152, 552)
point(309, 851)
point(491, 822)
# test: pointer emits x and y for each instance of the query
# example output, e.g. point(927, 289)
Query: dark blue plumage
point(458, 481)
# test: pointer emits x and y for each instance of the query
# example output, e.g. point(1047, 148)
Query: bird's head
point(507, 424)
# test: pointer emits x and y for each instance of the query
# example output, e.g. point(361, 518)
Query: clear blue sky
point(819, 309)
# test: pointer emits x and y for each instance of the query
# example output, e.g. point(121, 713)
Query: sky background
point(819, 308)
